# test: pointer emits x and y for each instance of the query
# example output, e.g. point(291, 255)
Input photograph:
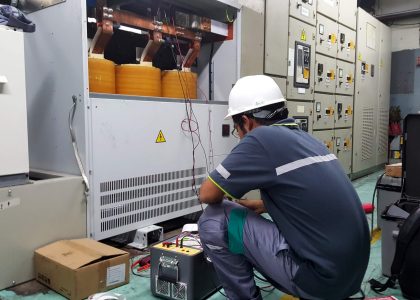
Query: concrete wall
point(403, 37)
point(406, 37)
point(384, 7)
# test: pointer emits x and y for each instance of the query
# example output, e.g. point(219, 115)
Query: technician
point(317, 246)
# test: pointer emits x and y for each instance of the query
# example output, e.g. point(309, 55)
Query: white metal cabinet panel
point(346, 44)
point(14, 157)
point(325, 74)
point(281, 82)
point(324, 109)
point(326, 36)
point(56, 69)
point(44, 211)
point(220, 145)
point(304, 10)
point(300, 69)
point(343, 111)
point(328, 8)
point(343, 147)
point(366, 93)
point(347, 13)
point(276, 33)
point(345, 78)
point(302, 113)
point(138, 181)
point(384, 69)
point(327, 138)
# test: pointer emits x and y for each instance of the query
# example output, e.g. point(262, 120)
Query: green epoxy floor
point(139, 287)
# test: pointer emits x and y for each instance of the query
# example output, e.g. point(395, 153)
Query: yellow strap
point(216, 184)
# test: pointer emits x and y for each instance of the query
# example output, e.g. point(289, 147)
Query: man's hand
point(256, 205)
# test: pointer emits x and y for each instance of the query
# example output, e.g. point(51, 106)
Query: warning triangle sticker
point(303, 36)
point(160, 138)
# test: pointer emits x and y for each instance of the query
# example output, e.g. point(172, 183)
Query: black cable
point(210, 71)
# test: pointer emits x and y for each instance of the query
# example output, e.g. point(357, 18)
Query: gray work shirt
point(311, 200)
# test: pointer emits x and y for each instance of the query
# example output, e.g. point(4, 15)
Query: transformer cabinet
point(371, 106)
point(143, 88)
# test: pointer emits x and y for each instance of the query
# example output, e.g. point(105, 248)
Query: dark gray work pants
point(265, 249)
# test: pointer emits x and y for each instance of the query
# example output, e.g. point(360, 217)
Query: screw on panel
point(9, 193)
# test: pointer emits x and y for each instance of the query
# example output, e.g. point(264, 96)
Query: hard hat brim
point(229, 115)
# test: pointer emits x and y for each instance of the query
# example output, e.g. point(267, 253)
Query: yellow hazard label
point(303, 36)
point(306, 73)
point(333, 39)
point(359, 57)
point(160, 138)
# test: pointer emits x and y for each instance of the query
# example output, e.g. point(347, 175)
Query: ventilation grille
point(128, 201)
point(383, 131)
point(148, 179)
point(147, 214)
point(179, 291)
point(162, 287)
point(367, 133)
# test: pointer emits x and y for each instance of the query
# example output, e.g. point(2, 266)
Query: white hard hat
point(253, 92)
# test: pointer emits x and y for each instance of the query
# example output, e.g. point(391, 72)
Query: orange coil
point(179, 84)
point(101, 75)
point(138, 80)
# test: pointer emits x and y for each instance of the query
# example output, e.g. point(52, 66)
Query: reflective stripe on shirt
point(303, 163)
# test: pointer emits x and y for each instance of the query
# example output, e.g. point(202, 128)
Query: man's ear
point(246, 123)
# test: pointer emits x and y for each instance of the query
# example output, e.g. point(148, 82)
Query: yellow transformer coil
point(179, 84)
point(138, 80)
point(101, 75)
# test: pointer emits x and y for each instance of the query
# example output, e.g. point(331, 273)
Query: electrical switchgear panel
point(325, 77)
point(324, 111)
point(347, 13)
point(343, 147)
point(328, 8)
point(304, 10)
point(345, 78)
point(346, 44)
point(343, 111)
point(327, 138)
point(302, 113)
point(326, 36)
point(300, 60)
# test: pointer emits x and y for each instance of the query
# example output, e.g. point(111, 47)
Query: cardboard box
point(394, 170)
point(79, 268)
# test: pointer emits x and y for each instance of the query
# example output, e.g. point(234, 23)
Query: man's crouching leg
point(233, 269)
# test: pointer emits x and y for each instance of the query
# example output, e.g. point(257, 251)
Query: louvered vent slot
point(179, 291)
point(163, 288)
point(129, 201)
point(383, 131)
point(367, 133)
